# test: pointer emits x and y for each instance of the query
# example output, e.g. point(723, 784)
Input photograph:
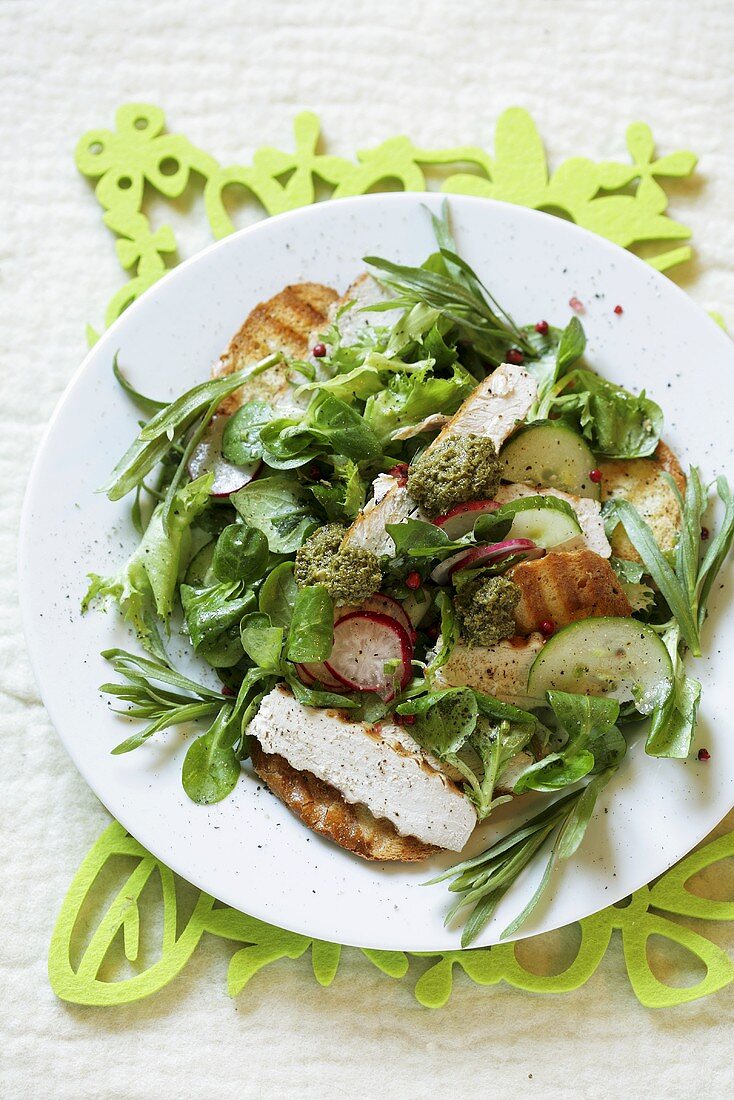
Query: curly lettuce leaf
point(408, 399)
point(145, 588)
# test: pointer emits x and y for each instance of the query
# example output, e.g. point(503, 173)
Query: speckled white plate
point(249, 851)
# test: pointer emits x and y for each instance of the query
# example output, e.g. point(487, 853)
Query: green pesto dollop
point(454, 471)
point(350, 574)
point(485, 607)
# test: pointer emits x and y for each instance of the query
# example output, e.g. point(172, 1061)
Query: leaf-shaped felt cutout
point(81, 984)
point(245, 963)
point(670, 892)
point(306, 130)
point(230, 924)
point(596, 932)
point(481, 965)
point(325, 961)
point(519, 169)
point(675, 165)
point(649, 990)
point(613, 175)
point(434, 986)
point(574, 182)
point(393, 963)
point(651, 196)
point(663, 261)
point(640, 142)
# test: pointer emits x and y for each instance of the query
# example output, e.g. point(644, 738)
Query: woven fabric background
point(231, 75)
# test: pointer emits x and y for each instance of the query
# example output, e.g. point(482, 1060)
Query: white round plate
point(248, 850)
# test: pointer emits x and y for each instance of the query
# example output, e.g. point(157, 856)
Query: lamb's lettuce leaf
point(311, 631)
point(241, 554)
point(241, 443)
point(279, 507)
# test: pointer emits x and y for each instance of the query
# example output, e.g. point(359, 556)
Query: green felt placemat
point(102, 950)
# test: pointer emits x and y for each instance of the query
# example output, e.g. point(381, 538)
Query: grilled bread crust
point(641, 481)
point(323, 809)
point(563, 587)
point(285, 323)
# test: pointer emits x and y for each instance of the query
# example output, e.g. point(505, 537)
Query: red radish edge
point(313, 673)
point(379, 604)
point(464, 512)
point(492, 552)
point(403, 638)
point(207, 458)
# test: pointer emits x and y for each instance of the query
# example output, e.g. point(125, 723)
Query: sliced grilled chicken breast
point(287, 323)
point(642, 482)
point(500, 670)
point(561, 588)
point(492, 410)
point(367, 765)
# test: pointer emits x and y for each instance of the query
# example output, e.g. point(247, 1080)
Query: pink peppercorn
point(413, 580)
point(595, 476)
point(618, 310)
point(318, 351)
point(704, 754)
point(542, 328)
point(547, 627)
point(515, 356)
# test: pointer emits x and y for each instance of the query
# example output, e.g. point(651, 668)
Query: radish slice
point(304, 675)
point(484, 555)
point(386, 605)
point(364, 642)
point(207, 458)
point(312, 674)
point(461, 519)
point(380, 604)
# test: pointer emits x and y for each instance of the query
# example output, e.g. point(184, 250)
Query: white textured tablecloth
point(231, 76)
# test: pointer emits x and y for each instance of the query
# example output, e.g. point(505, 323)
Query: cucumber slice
point(620, 658)
point(550, 453)
point(548, 521)
point(199, 573)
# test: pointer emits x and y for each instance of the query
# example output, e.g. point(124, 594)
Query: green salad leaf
point(311, 631)
point(281, 508)
point(617, 424)
point(145, 587)
point(261, 641)
point(241, 554)
point(241, 443)
point(170, 425)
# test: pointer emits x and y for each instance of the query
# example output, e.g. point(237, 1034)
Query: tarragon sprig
point(484, 880)
point(686, 583)
point(171, 424)
point(147, 688)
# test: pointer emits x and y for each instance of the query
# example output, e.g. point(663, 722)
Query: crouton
point(562, 588)
point(642, 482)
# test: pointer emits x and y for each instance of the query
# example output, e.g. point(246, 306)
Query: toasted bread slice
point(286, 323)
point(641, 481)
point(323, 809)
point(561, 588)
